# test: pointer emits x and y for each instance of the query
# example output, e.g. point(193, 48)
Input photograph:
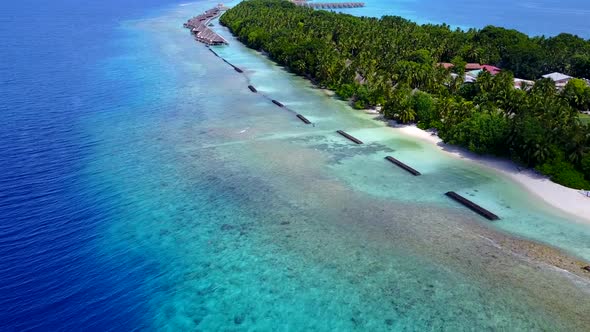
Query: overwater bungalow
point(199, 26)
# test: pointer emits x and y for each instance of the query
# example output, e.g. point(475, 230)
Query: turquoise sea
point(533, 17)
point(144, 187)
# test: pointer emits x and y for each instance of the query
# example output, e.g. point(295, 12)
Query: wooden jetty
point(199, 26)
point(304, 119)
point(472, 206)
point(328, 5)
point(402, 165)
point(352, 138)
point(252, 88)
point(278, 103)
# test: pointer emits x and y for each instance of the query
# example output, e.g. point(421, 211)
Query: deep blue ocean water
point(107, 215)
point(51, 214)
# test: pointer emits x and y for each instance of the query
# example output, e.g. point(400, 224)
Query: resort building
point(492, 69)
point(559, 79)
point(473, 73)
point(466, 78)
point(520, 83)
point(446, 65)
point(474, 68)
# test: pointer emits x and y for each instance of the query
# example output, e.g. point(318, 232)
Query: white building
point(559, 79)
point(520, 83)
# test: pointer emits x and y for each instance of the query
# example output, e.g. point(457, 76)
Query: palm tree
point(406, 114)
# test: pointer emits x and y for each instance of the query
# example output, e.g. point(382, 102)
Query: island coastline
point(482, 114)
point(560, 198)
point(570, 201)
point(564, 199)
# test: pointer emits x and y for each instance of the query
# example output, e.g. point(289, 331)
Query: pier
point(352, 138)
point(403, 166)
point(472, 206)
point(328, 5)
point(199, 26)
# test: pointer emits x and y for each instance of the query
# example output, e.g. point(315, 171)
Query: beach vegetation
point(577, 94)
point(395, 63)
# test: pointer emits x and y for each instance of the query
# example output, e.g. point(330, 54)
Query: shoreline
point(542, 254)
point(567, 200)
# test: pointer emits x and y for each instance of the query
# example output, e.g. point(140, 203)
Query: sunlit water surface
point(198, 205)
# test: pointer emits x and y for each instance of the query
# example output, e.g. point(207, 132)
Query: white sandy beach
point(568, 200)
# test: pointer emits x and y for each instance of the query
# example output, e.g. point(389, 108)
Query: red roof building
point(446, 65)
point(492, 69)
point(472, 66)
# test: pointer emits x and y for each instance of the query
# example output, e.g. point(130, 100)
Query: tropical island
point(419, 74)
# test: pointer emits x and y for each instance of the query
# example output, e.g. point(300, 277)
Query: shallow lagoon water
point(213, 209)
point(363, 168)
point(258, 221)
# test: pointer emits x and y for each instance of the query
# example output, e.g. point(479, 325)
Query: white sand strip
point(568, 200)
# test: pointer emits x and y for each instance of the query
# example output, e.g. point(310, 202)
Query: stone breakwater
point(199, 26)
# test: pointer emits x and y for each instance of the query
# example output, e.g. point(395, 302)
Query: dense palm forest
point(393, 62)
